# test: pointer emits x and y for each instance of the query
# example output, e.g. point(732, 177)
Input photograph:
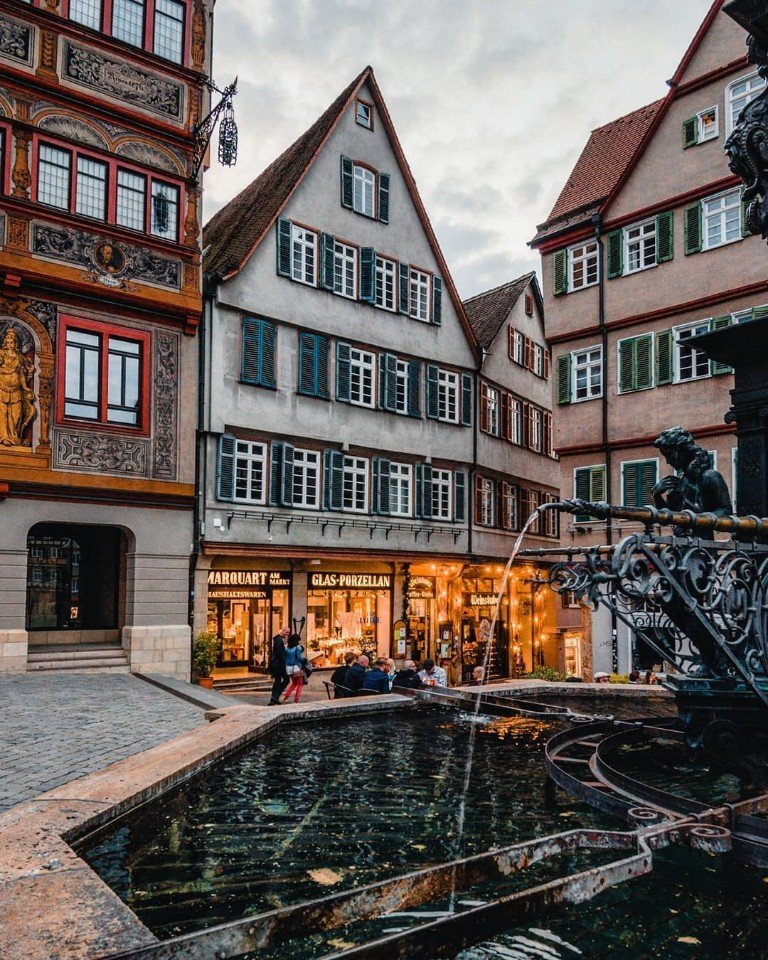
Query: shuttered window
point(258, 352)
point(721, 219)
point(345, 270)
point(740, 93)
point(355, 485)
point(386, 280)
point(636, 363)
point(589, 485)
point(485, 501)
point(313, 365)
point(419, 299)
point(510, 506)
point(441, 494)
point(303, 255)
point(364, 187)
point(586, 380)
point(306, 479)
point(490, 412)
point(690, 363)
point(250, 472)
point(640, 246)
point(638, 479)
point(583, 266)
point(400, 482)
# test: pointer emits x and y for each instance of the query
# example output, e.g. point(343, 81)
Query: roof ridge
point(501, 286)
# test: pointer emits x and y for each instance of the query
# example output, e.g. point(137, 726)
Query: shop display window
point(342, 620)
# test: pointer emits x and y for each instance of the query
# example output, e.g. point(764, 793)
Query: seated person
point(339, 676)
point(478, 674)
point(355, 676)
point(377, 680)
point(407, 678)
point(432, 675)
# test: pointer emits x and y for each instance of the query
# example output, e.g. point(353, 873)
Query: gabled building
point(100, 298)
point(646, 247)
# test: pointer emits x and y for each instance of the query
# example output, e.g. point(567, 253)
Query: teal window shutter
point(629, 476)
point(283, 232)
point(280, 474)
point(637, 483)
point(368, 275)
point(626, 366)
point(384, 197)
point(635, 367)
point(597, 491)
point(313, 365)
point(388, 382)
point(692, 226)
point(327, 261)
point(460, 497)
point(665, 236)
point(343, 371)
point(760, 313)
point(322, 378)
point(347, 183)
point(690, 132)
point(404, 289)
point(615, 241)
point(258, 352)
point(225, 468)
point(334, 480)
point(720, 323)
point(423, 491)
point(564, 379)
point(414, 388)
point(664, 357)
point(467, 390)
point(432, 380)
point(381, 477)
point(437, 301)
point(582, 489)
point(560, 272)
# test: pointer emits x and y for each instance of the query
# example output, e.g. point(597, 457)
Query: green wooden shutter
point(615, 241)
point(460, 497)
point(467, 390)
point(560, 272)
point(582, 489)
point(760, 313)
point(629, 478)
point(322, 378)
point(693, 239)
point(637, 483)
point(281, 474)
point(343, 371)
point(564, 379)
point(437, 301)
point(388, 382)
point(424, 491)
point(644, 362)
point(664, 357)
point(649, 471)
point(626, 366)
point(347, 183)
point(414, 388)
point(597, 484)
point(384, 197)
point(283, 233)
point(250, 361)
point(307, 383)
point(327, 261)
point(225, 468)
point(665, 236)
point(404, 289)
point(382, 470)
point(690, 132)
point(720, 323)
point(334, 480)
point(268, 344)
point(432, 380)
point(368, 275)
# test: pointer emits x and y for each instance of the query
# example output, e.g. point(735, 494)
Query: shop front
point(479, 599)
point(348, 611)
point(246, 608)
point(431, 624)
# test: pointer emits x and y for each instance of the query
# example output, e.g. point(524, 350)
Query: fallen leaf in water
point(325, 876)
point(418, 846)
point(340, 944)
point(692, 940)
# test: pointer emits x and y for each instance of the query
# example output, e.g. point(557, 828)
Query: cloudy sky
point(492, 99)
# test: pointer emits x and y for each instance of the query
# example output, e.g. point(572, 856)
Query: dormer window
point(364, 114)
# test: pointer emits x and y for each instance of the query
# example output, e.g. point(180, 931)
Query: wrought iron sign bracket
point(224, 115)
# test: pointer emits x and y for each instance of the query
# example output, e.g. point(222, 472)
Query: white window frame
point(628, 463)
point(386, 284)
point(586, 256)
point(355, 483)
point(755, 86)
point(538, 360)
point(493, 406)
point(363, 191)
point(516, 416)
point(577, 356)
point(646, 230)
point(518, 347)
point(734, 206)
point(306, 463)
point(714, 129)
point(362, 377)
point(419, 294)
point(344, 257)
point(442, 495)
point(536, 432)
point(713, 454)
point(252, 455)
point(401, 386)
point(510, 493)
point(448, 396)
point(303, 242)
point(363, 118)
point(487, 516)
point(684, 328)
point(400, 489)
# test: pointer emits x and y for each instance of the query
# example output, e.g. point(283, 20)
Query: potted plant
point(205, 652)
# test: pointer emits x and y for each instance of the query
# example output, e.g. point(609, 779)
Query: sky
point(493, 100)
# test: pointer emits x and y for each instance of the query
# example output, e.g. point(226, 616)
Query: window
point(587, 374)
point(345, 270)
point(739, 94)
point(303, 255)
point(517, 346)
point(490, 402)
point(53, 177)
point(362, 374)
point(510, 507)
point(516, 426)
point(691, 364)
point(250, 472)
point(535, 416)
point(87, 12)
point(123, 381)
point(306, 479)
point(638, 478)
point(91, 196)
point(589, 485)
point(385, 283)
point(169, 30)
point(364, 191)
point(165, 210)
point(419, 294)
point(355, 485)
point(128, 21)
point(538, 360)
point(83, 361)
point(708, 125)
point(400, 490)
point(583, 266)
point(722, 219)
point(131, 193)
point(364, 114)
point(640, 246)
point(448, 396)
point(570, 601)
point(401, 386)
point(441, 494)
point(486, 502)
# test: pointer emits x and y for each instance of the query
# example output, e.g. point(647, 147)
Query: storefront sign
point(421, 588)
point(350, 581)
point(245, 584)
point(482, 599)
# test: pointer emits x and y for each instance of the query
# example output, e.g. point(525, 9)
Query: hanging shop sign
point(350, 581)
point(421, 588)
point(482, 599)
point(245, 584)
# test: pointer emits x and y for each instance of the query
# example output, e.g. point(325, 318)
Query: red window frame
point(113, 164)
point(148, 45)
point(104, 331)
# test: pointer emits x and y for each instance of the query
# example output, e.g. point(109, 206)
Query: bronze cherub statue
point(695, 485)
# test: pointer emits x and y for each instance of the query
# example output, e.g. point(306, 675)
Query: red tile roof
point(487, 311)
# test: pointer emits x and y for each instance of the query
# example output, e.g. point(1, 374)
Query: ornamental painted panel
point(165, 458)
point(109, 262)
point(101, 453)
point(118, 79)
point(16, 40)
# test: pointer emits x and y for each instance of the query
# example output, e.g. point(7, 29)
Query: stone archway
point(16, 313)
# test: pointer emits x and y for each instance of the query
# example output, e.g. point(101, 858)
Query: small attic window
point(364, 114)
point(528, 305)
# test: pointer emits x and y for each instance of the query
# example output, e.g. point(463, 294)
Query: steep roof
point(487, 311)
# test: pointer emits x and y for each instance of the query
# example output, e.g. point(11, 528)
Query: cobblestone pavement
point(59, 727)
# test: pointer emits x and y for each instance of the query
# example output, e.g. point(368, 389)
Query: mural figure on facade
point(695, 485)
point(17, 398)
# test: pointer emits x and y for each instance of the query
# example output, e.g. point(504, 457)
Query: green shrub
point(546, 673)
point(205, 652)
point(619, 678)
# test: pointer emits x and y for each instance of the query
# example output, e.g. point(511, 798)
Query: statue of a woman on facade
point(17, 398)
point(695, 485)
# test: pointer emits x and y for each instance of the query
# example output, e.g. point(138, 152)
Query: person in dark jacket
point(277, 665)
point(407, 678)
point(377, 680)
point(339, 676)
point(356, 675)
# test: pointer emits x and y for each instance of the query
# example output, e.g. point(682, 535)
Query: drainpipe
point(470, 494)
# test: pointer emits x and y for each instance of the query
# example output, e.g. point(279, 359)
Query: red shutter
point(511, 343)
point(529, 304)
point(530, 358)
point(546, 434)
